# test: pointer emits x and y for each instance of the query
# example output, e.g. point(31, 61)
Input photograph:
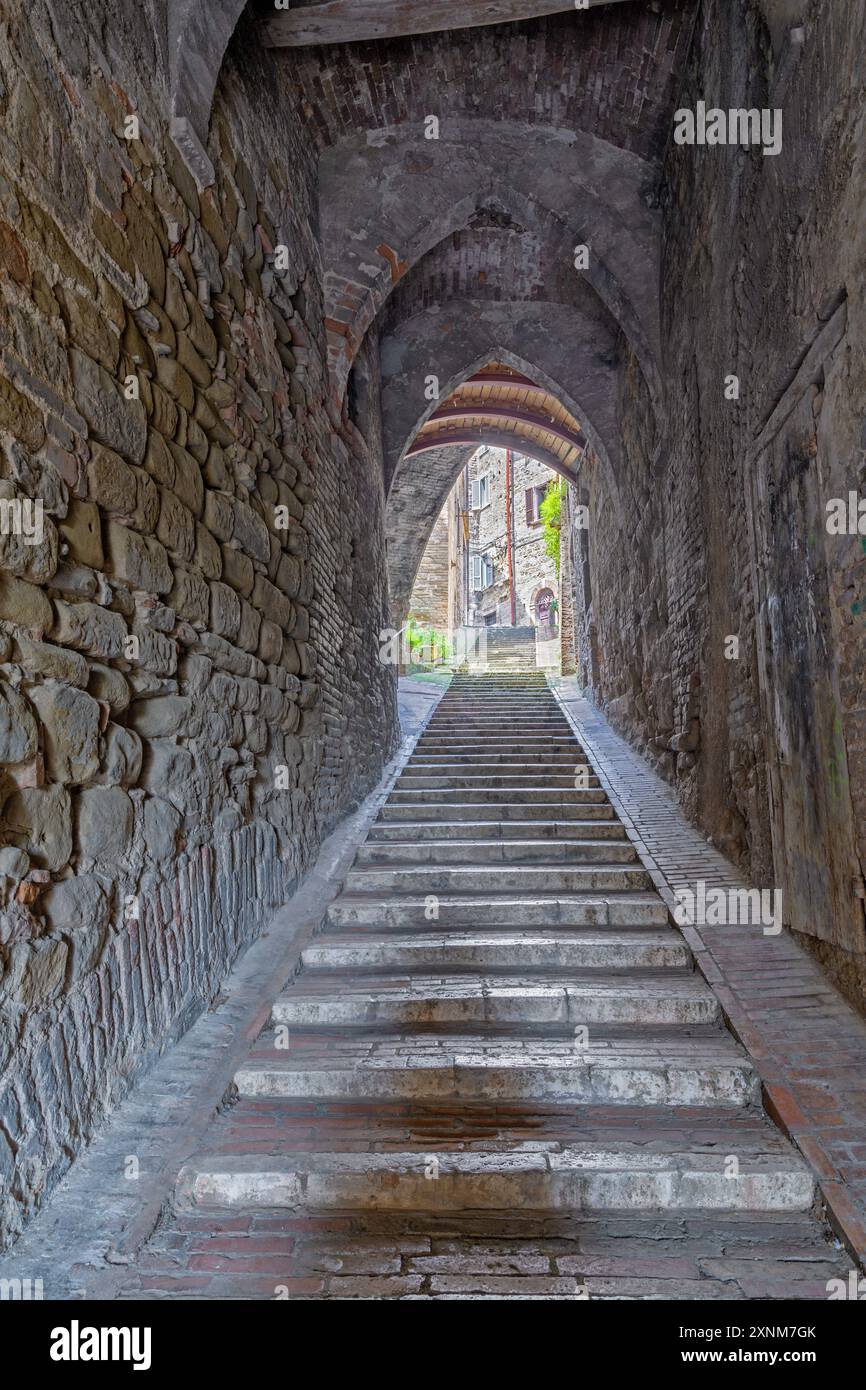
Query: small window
point(479, 492)
point(482, 570)
point(534, 496)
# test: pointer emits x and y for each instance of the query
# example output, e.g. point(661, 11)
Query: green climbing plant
point(550, 512)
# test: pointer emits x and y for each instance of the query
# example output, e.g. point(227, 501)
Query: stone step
point(495, 909)
point(485, 878)
point(413, 831)
point(622, 1178)
point(497, 750)
point(535, 796)
point(511, 713)
point(498, 851)
point(440, 780)
point(428, 1067)
point(491, 951)
point(505, 813)
point(495, 999)
point(511, 724)
point(446, 757)
point(512, 708)
point(543, 768)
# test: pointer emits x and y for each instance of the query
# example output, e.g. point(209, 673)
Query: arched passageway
point(267, 279)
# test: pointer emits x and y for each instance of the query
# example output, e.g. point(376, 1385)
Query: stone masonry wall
point(190, 695)
point(429, 602)
point(723, 532)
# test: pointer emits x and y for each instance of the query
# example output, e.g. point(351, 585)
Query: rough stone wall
point(429, 601)
point(190, 695)
point(724, 523)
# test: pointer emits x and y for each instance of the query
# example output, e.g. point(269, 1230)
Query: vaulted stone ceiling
point(460, 169)
point(560, 122)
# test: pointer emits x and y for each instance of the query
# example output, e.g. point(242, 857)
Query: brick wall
point(723, 531)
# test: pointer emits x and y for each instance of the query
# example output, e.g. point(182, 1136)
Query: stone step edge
point(625, 1178)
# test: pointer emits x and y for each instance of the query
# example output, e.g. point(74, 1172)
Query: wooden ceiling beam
point(508, 412)
point(356, 21)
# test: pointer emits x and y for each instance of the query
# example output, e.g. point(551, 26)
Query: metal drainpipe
point(508, 529)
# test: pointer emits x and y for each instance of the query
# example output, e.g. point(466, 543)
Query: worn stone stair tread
point(670, 1071)
point(493, 774)
point(626, 1177)
point(537, 795)
point(595, 807)
point(421, 853)
point(503, 949)
point(503, 999)
point(387, 832)
point(507, 910)
point(479, 879)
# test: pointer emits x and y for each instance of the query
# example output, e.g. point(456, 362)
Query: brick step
point(316, 1001)
point(426, 1066)
point(624, 1178)
point(509, 910)
point(497, 950)
point(504, 813)
point(416, 853)
point(484, 878)
point(510, 832)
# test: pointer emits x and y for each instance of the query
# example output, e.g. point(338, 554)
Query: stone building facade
point(464, 576)
point(482, 554)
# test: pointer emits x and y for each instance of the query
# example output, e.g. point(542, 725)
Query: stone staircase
point(505, 649)
point(497, 1013)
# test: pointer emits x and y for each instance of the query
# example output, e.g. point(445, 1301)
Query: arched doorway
point(545, 614)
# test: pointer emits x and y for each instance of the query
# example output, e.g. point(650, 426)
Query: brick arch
point(420, 484)
point(551, 343)
point(387, 198)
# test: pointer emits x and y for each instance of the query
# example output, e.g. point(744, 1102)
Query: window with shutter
point(529, 499)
